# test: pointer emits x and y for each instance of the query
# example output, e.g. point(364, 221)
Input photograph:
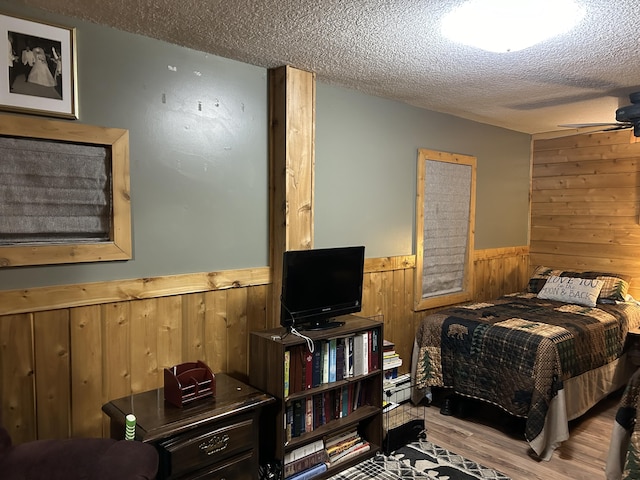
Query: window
point(445, 212)
point(64, 192)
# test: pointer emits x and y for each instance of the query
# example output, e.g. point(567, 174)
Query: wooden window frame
point(119, 245)
point(466, 293)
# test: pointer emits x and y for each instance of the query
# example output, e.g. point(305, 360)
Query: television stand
point(271, 373)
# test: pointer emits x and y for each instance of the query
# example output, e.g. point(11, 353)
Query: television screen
point(319, 285)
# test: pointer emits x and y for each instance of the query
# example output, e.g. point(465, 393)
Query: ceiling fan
point(626, 117)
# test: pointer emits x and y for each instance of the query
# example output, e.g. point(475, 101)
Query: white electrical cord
point(310, 344)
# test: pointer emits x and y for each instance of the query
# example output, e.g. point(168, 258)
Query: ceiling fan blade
point(587, 125)
point(601, 127)
point(628, 117)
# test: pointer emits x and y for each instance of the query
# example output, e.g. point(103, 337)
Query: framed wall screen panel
point(54, 192)
point(64, 192)
point(445, 211)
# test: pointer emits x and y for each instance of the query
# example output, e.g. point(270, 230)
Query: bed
point(546, 355)
point(623, 461)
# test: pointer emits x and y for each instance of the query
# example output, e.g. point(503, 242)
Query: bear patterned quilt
point(623, 461)
point(517, 351)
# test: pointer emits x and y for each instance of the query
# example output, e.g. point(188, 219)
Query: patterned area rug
point(419, 460)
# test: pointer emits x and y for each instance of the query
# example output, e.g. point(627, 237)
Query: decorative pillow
point(581, 291)
point(615, 286)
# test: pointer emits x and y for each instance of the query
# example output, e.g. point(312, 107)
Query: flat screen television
point(319, 285)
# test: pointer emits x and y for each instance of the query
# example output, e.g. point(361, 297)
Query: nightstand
point(213, 438)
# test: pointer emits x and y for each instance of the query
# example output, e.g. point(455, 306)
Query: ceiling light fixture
point(510, 25)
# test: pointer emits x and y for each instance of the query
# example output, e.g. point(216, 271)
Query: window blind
point(54, 192)
point(447, 197)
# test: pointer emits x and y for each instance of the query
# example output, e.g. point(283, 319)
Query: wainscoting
point(67, 350)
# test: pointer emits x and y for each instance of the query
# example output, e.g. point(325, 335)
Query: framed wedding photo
point(39, 74)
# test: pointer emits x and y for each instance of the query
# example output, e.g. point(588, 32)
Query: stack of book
point(305, 462)
point(390, 360)
point(344, 446)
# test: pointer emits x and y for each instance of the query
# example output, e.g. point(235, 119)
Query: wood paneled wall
point(67, 350)
point(584, 210)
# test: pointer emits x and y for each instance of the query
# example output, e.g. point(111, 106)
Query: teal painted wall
point(366, 154)
point(199, 165)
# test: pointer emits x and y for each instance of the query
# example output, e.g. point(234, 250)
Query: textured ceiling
point(393, 49)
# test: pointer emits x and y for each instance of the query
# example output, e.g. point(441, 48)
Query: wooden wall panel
point(117, 349)
point(216, 350)
point(193, 314)
point(585, 203)
point(145, 374)
point(86, 371)
point(170, 332)
point(237, 333)
point(53, 373)
point(502, 270)
point(17, 381)
point(85, 356)
point(402, 315)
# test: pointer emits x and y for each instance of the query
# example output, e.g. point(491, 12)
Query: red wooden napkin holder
point(187, 382)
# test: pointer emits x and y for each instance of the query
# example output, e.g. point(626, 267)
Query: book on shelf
point(338, 437)
point(349, 356)
point(318, 410)
point(305, 463)
point(345, 397)
point(340, 361)
point(317, 364)
point(387, 345)
point(344, 446)
point(299, 407)
point(325, 362)
point(358, 356)
point(308, 370)
point(390, 373)
point(287, 364)
point(391, 360)
point(297, 374)
point(357, 396)
point(303, 451)
point(332, 359)
point(308, 417)
point(395, 363)
point(365, 352)
point(356, 450)
point(338, 448)
point(328, 406)
point(309, 473)
point(288, 423)
point(374, 346)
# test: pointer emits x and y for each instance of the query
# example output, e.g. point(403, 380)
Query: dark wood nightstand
point(214, 438)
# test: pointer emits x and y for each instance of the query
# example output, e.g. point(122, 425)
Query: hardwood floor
point(491, 439)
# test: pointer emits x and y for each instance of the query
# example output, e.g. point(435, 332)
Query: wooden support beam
point(291, 170)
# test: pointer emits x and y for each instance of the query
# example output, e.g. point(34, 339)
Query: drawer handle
point(215, 444)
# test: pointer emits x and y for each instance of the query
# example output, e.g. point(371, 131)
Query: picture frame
point(39, 76)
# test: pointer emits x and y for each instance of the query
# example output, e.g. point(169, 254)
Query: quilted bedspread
point(515, 352)
point(623, 461)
